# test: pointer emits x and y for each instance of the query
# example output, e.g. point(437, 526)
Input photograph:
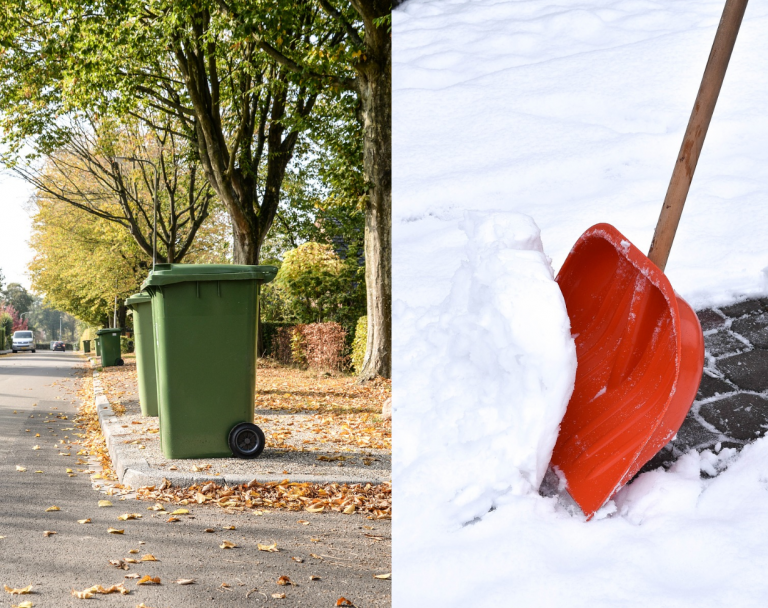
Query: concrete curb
point(136, 473)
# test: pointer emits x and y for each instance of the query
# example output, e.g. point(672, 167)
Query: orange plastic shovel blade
point(640, 355)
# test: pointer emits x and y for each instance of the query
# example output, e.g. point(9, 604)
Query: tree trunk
point(375, 90)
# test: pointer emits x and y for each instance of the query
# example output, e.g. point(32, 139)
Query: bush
point(299, 345)
point(359, 344)
point(324, 345)
point(268, 347)
point(281, 346)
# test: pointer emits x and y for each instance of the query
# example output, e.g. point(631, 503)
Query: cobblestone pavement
point(731, 407)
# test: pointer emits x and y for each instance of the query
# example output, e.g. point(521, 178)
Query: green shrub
point(359, 344)
point(299, 345)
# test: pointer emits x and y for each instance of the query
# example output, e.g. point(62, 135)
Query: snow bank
point(494, 367)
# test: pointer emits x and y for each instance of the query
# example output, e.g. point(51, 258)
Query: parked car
point(59, 346)
point(22, 340)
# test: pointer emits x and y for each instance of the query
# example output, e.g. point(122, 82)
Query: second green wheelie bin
point(206, 388)
point(98, 346)
point(140, 305)
point(86, 346)
point(110, 346)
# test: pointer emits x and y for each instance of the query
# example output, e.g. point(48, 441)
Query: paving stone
point(709, 319)
point(664, 458)
point(693, 434)
point(747, 370)
point(709, 387)
point(754, 328)
point(742, 308)
point(723, 343)
point(741, 416)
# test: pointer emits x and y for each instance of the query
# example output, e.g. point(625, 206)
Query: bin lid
point(167, 274)
point(138, 298)
point(109, 330)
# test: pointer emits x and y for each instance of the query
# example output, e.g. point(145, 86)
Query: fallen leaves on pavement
point(373, 500)
point(22, 591)
point(148, 580)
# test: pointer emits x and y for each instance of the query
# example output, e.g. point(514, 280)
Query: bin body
point(86, 346)
point(110, 346)
point(141, 306)
point(204, 387)
point(98, 347)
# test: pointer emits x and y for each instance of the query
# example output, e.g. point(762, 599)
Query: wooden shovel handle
point(698, 124)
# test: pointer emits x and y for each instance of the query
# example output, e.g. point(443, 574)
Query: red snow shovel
point(639, 346)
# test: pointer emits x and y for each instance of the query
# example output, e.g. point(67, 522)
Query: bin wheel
point(246, 440)
point(33, 350)
point(120, 362)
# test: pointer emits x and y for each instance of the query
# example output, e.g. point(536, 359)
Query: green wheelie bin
point(206, 389)
point(98, 346)
point(86, 346)
point(110, 346)
point(140, 306)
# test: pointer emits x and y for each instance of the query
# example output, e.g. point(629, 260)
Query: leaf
point(22, 591)
point(118, 563)
point(170, 520)
point(315, 556)
point(228, 528)
point(349, 510)
point(227, 545)
point(269, 548)
point(315, 508)
point(386, 576)
point(149, 558)
point(25, 604)
point(105, 503)
point(298, 559)
point(20, 469)
point(209, 530)
point(278, 596)
point(133, 551)
point(284, 580)
point(53, 508)
point(84, 521)
point(156, 507)
point(48, 533)
point(115, 531)
point(148, 580)
point(303, 522)
point(132, 575)
point(185, 581)
point(83, 595)
point(181, 512)
point(313, 577)
point(342, 601)
point(127, 516)
point(37, 447)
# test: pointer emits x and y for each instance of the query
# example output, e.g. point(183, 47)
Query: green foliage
point(318, 286)
point(18, 297)
point(359, 344)
point(298, 346)
point(6, 322)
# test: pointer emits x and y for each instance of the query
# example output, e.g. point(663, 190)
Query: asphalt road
point(34, 390)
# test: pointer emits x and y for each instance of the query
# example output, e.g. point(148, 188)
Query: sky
point(15, 229)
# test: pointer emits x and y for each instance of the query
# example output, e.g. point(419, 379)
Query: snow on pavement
point(559, 115)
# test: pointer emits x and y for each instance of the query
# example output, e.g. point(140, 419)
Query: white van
point(23, 340)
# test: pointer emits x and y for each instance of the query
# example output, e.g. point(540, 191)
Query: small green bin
point(86, 346)
point(206, 388)
point(110, 346)
point(98, 346)
point(140, 305)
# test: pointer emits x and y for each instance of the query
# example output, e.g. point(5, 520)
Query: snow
point(509, 116)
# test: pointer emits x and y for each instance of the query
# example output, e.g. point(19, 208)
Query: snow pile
point(495, 368)
point(571, 114)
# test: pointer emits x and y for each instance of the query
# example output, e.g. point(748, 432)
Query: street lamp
point(154, 202)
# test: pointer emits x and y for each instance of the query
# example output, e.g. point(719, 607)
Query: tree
point(365, 48)
point(18, 297)
point(101, 162)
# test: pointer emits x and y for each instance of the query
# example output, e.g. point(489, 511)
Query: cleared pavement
point(36, 394)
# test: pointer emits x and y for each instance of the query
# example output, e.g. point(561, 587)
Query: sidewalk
point(731, 407)
point(134, 447)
